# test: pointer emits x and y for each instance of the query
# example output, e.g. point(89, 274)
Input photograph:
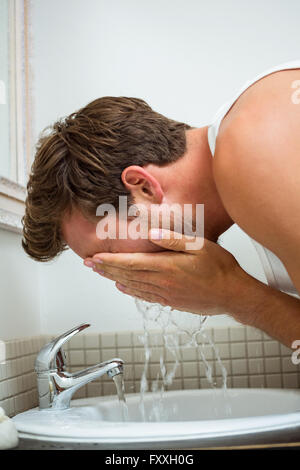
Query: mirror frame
point(12, 190)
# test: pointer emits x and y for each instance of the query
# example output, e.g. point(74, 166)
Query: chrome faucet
point(56, 386)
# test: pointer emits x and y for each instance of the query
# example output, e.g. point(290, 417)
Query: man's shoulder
point(255, 158)
point(264, 115)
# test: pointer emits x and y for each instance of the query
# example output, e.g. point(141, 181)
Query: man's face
point(80, 235)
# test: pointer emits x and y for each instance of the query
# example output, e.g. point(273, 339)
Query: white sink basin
point(189, 419)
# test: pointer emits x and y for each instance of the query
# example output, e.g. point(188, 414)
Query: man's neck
point(190, 180)
point(204, 189)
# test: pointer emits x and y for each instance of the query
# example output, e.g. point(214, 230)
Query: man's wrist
point(261, 306)
point(250, 298)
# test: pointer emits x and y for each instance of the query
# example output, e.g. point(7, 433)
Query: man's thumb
point(175, 241)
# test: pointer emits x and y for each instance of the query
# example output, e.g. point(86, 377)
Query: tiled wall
point(251, 359)
point(17, 377)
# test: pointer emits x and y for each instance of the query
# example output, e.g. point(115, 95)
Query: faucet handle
point(51, 356)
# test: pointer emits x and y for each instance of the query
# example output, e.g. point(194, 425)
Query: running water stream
point(120, 386)
point(179, 330)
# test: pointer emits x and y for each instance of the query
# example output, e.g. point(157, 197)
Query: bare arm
point(272, 311)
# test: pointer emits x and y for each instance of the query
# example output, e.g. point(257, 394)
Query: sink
point(188, 419)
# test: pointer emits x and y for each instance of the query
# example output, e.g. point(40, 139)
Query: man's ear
point(142, 185)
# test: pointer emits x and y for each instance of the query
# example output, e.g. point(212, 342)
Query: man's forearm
point(272, 311)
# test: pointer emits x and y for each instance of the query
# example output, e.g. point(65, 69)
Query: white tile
point(129, 386)
point(221, 335)
point(92, 341)
point(19, 406)
point(12, 387)
point(207, 331)
point(92, 357)
point(285, 351)
point(256, 366)
point(272, 365)
point(3, 371)
point(139, 355)
point(222, 350)
point(76, 357)
point(204, 383)
point(253, 334)
point(137, 386)
point(19, 365)
point(108, 340)
point(154, 371)
point(219, 369)
point(175, 385)
point(6, 405)
point(208, 351)
point(26, 400)
point(3, 390)
point(137, 338)
point(271, 348)
point(240, 382)
point(76, 342)
point(257, 381)
point(156, 339)
point(288, 366)
point(128, 373)
point(20, 383)
point(203, 369)
point(237, 333)
point(219, 382)
point(174, 371)
point(238, 350)
point(108, 354)
point(255, 349)
point(190, 369)
point(184, 338)
point(126, 354)
point(124, 340)
point(9, 368)
point(274, 380)
point(156, 354)
point(239, 366)
point(189, 354)
point(138, 370)
point(171, 355)
point(191, 384)
point(108, 388)
point(290, 380)
point(10, 350)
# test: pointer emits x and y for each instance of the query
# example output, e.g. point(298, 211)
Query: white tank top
point(274, 269)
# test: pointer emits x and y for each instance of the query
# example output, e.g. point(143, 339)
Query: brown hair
point(80, 162)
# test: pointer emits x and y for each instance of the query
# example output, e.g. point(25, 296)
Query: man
point(120, 146)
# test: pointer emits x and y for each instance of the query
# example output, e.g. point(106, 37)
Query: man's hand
point(204, 281)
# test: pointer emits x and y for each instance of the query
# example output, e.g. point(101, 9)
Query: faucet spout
point(56, 386)
point(67, 384)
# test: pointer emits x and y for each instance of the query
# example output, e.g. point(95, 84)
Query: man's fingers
point(134, 261)
point(140, 286)
point(122, 275)
point(176, 241)
point(140, 294)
